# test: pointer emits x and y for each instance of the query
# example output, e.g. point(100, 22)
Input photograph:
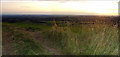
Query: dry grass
point(90, 39)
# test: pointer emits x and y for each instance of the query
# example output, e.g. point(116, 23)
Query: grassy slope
point(20, 42)
point(82, 39)
point(78, 39)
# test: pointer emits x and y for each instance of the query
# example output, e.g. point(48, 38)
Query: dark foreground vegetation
point(59, 35)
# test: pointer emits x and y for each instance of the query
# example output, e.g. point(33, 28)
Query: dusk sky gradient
point(61, 8)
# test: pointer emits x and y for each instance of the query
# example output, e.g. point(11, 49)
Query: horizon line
point(54, 14)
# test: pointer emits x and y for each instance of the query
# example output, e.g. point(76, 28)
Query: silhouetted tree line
point(39, 18)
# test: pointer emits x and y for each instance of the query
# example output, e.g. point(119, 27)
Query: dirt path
point(46, 43)
point(8, 49)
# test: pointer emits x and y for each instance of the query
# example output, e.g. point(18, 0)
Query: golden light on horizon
point(56, 7)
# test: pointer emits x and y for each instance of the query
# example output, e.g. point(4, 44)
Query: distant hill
point(38, 18)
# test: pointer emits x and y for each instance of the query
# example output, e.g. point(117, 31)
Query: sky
point(60, 7)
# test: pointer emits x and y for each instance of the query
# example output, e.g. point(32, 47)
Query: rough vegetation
point(60, 37)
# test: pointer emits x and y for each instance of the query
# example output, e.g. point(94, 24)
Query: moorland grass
point(23, 43)
point(71, 38)
point(82, 39)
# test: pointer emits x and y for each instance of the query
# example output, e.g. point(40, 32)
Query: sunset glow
point(61, 8)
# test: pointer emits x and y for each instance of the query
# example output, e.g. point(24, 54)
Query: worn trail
point(54, 50)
